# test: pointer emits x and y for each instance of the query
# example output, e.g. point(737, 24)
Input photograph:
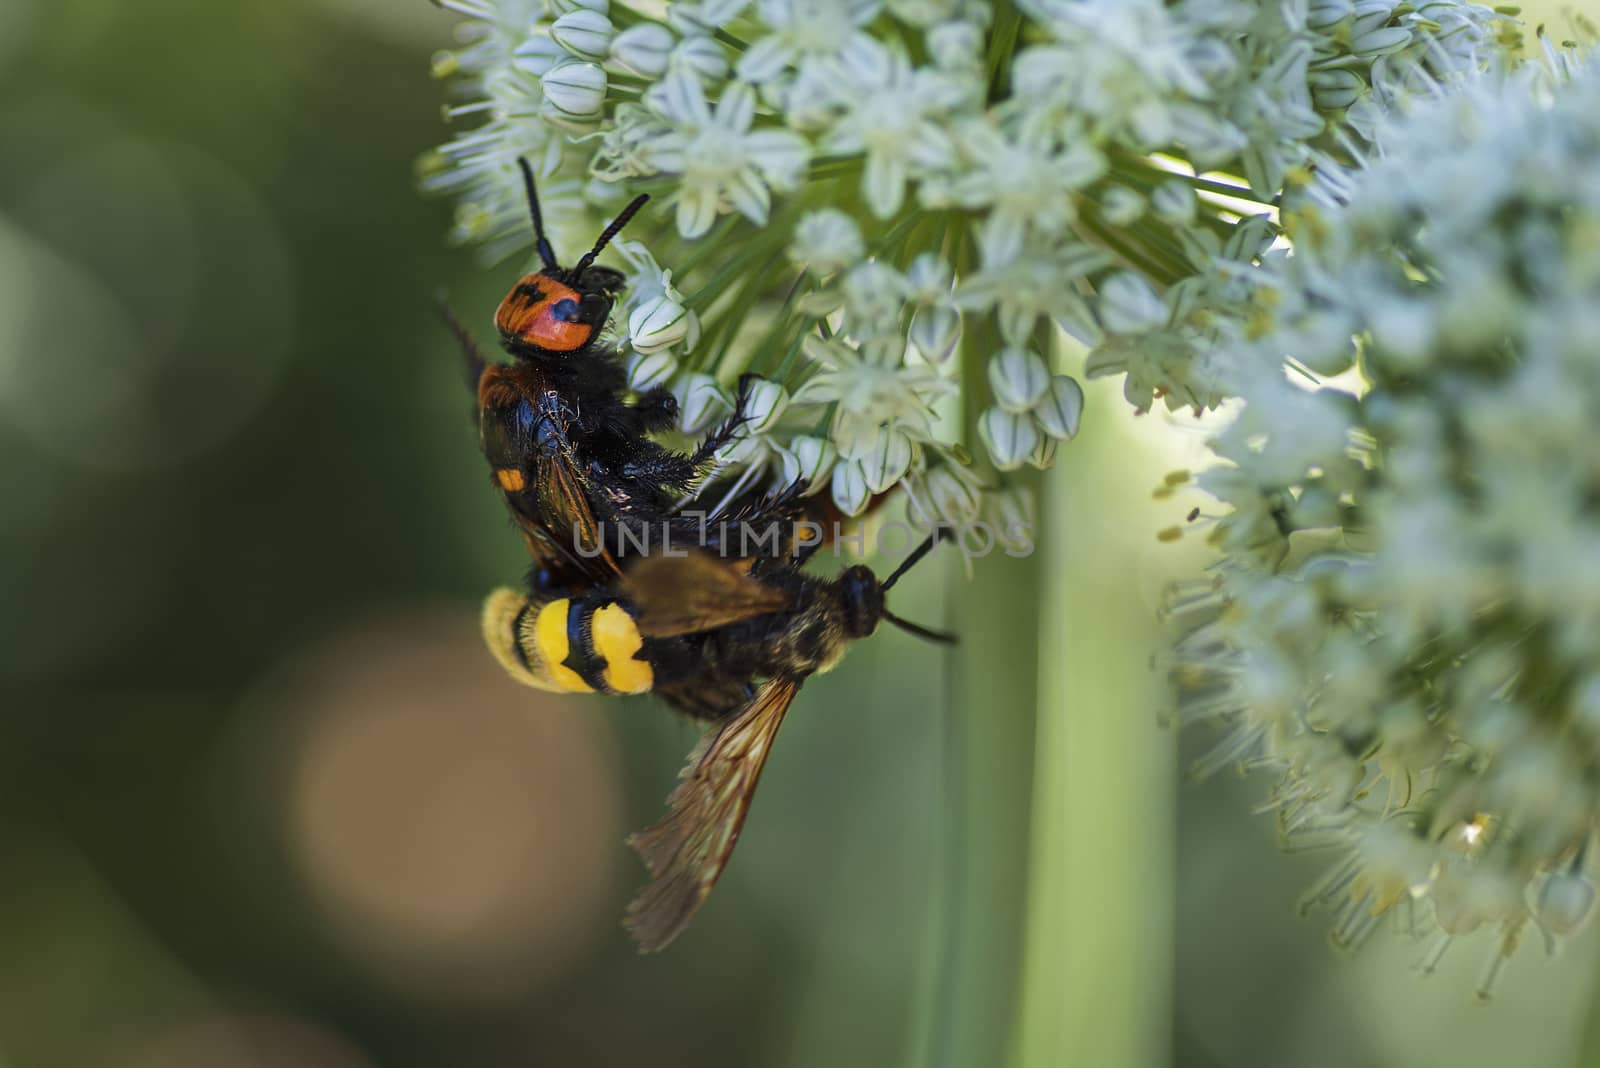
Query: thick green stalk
point(1096, 979)
point(969, 1007)
point(988, 745)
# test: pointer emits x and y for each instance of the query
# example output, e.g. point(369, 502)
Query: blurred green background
point(265, 801)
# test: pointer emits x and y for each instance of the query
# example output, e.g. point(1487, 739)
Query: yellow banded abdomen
point(567, 646)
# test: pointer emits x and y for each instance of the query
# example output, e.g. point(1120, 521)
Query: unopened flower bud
point(702, 55)
point(1009, 436)
point(1130, 305)
point(538, 55)
point(1019, 379)
point(643, 49)
point(954, 499)
point(658, 324)
point(1060, 408)
point(850, 490)
point(1565, 903)
point(586, 34)
point(809, 460)
point(888, 460)
point(647, 370)
point(701, 402)
point(935, 332)
point(576, 91)
point(764, 404)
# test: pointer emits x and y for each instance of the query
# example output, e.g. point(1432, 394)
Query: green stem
point(968, 1008)
point(1098, 970)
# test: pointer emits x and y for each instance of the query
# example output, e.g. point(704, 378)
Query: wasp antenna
point(917, 554)
point(611, 231)
point(925, 633)
point(546, 254)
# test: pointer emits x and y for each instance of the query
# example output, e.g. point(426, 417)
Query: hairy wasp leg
point(728, 429)
point(471, 354)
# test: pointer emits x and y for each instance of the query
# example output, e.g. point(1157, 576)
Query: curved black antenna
point(546, 253)
point(611, 231)
point(917, 554)
point(925, 633)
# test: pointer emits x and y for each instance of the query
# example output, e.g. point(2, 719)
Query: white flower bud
point(563, 7)
point(1043, 455)
point(888, 460)
point(1565, 902)
point(647, 370)
point(955, 500)
point(1009, 436)
point(935, 332)
point(538, 55)
point(1121, 206)
point(1380, 41)
point(701, 402)
point(850, 490)
point(764, 404)
point(1061, 407)
point(586, 34)
point(956, 45)
point(826, 242)
point(747, 450)
point(809, 460)
point(658, 324)
point(1336, 88)
point(643, 49)
point(1174, 202)
point(577, 91)
point(1130, 305)
point(688, 19)
point(930, 278)
point(1016, 516)
point(702, 55)
point(1019, 379)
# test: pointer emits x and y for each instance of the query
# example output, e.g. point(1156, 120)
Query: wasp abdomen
point(567, 645)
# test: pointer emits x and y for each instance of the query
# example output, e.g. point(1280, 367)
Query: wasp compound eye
point(564, 310)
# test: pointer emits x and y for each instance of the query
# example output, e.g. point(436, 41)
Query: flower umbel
point(1405, 627)
point(880, 204)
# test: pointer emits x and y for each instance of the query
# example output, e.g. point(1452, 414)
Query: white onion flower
point(868, 202)
point(1405, 627)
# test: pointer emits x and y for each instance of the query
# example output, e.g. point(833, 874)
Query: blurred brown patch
point(460, 833)
point(244, 1040)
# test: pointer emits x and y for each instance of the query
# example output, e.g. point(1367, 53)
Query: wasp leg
point(471, 354)
point(728, 429)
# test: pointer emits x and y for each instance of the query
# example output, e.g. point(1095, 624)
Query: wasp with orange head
point(568, 442)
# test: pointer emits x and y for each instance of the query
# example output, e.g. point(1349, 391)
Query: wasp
point(735, 642)
point(569, 447)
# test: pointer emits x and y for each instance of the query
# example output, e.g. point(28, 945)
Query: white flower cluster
point(1406, 624)
point(881, 202)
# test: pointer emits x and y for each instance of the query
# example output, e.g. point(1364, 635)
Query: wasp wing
point(696, 593)
point(563, 535)
point(688, 849)
point(524, 428)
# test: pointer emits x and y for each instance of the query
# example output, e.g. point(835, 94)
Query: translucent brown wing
point(698, 592)
point(688, 849)
point(566, 524)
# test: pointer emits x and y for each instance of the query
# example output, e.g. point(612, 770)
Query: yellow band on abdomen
point(616, 640)
point(550, 638)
